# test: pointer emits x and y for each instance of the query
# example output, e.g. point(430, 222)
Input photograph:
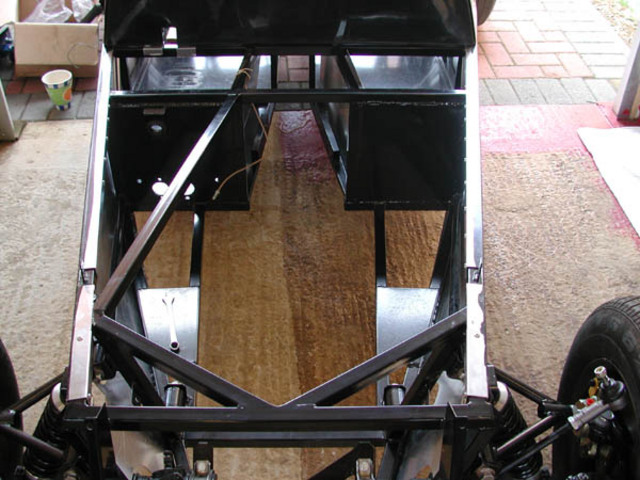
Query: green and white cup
point(59, 85)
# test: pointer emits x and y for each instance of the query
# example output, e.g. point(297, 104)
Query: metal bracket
point(186, 52)
point(474, 274)
point(152, 51)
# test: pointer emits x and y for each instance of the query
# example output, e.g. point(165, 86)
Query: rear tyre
point(484, 9)
point(9, 450)
point(609, 337)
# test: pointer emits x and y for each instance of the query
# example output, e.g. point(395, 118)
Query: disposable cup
point(58, 84)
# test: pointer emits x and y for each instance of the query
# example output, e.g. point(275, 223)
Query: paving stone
point(87, 106)
point(558, 7)
point(33, 85)
point(528, 91)
point(602, 90)
point(546, 23)
point(511, 15)
point(298, 74)
point(535, 59)
point(553, 91)
point(485, 94)
point(578, 90)
point(607, 72)
point(283, 70)
point(298, 61)
point(574, 16)
point(502, 92)
point(17, 104)
point(487, 37)
point(574, 65)
point(603, 60)
point(554, 71)
point(526, 5)
point(601, 47)
point(13, 87)
point(70, 114)
point(38, 108)
point(554, 36)
point(292, 85)
point(499, 26)
point(513, 42)
point(591, 37)
point(517, 71)
point(550, 47)
point(530, 32)
point(484, 69)
point(597, 26)
point(496, 54)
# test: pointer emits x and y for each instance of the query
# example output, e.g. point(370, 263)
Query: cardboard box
point(40, 47)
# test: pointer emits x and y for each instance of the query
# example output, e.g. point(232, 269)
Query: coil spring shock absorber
point(39, 465)
point(511, 423)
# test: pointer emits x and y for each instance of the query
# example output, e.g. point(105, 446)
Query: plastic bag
point(81, 8)
point(49, 11)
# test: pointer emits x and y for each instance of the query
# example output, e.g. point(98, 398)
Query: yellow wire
point(240, 170)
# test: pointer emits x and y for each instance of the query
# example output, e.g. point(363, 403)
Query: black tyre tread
point(9, 450)
point(615, 323)
point(484, 9)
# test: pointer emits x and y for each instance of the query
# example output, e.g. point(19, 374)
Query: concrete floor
point(556, 246)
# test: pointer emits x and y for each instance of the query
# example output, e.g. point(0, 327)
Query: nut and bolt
point(601, 374)
point(364, 469)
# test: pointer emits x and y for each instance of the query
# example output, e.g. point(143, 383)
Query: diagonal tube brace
point(131, 262)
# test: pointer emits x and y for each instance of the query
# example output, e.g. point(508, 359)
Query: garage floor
point(556, 246)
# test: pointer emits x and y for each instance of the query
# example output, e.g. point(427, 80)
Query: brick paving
point(548, 52)
point(531, 52)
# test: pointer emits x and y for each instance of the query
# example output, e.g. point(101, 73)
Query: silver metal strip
point(476, 370)
point(95, 174)
point(80, 362)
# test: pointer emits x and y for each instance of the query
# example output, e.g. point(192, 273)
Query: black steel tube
point(196, 247)
point(130, 264)
point(522, 388)
point(348, 71)
point(536, 448)
point(274, 71)
point(312, 71)
point(528, 434)
point(285, 439)
point(35, 396)
point(380, 246)
point(182, 370)
point(299, 419)
point(31, 442)
point(303, 50)
point(453, 98)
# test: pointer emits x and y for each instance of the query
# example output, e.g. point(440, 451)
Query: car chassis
point(150, 378)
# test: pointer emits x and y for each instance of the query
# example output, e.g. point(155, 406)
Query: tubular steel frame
point(312, 419)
